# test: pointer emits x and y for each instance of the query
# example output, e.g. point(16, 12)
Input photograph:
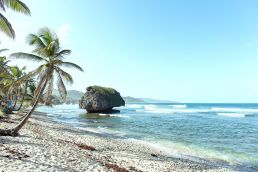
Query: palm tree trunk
point(23, 97)
point(15, 102)
point(14, 131)
point(19, 108)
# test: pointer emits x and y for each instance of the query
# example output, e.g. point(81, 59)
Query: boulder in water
point(100, 99)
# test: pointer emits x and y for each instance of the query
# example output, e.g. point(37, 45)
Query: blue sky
point(188, 51)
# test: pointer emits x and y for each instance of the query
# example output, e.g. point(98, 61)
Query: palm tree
point(3, 71)
point(14, 75)
point(7, 78)
point(3, 62)
point(9, 75)
point(47, 51)
point(15, 5)
point(27, 92)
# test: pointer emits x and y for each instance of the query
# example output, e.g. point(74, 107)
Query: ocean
point(224, 133)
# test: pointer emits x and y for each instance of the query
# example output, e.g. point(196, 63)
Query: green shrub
point(103, 90)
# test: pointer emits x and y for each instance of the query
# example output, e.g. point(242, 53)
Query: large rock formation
point(100, 99)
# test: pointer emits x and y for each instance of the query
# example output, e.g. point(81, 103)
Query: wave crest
point(235, 115)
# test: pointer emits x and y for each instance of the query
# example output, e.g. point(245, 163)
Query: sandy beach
point(45, 145)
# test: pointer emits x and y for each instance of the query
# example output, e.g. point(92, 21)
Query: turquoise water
point(226, 133)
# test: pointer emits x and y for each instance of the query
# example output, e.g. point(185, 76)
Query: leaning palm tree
point(15, 5)
point(47, 51)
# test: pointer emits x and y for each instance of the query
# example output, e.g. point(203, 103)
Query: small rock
point(154, 155)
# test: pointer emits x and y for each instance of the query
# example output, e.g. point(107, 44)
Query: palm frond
point(42, 73)
point(39, 44)
point(3, 50)
point(63, 53)
point(23, 68)
point(14, 70)
point(61, 86)
point(67, 77)
point(35, 40)
point(54, 46)
point(6, 27)
point(47, 35)
point(5, 76)
point(5, 63)
point(17, 6)
point(70, 65)
point(27, 77)
point(2, 5)
point(27, 56)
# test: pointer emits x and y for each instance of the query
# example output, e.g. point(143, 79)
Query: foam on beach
point(180, 150)
point(92, 130)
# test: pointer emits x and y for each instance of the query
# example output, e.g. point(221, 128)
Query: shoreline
point(45, 144)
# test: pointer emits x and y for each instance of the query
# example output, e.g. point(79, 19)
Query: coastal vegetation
point(15, 82)
point(102, 90)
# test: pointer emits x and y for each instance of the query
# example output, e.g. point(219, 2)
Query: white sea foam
point(155, 109)
point(178, 106)
point(235, 110)
point(120, 116)
point(181, 150)
point(158, 147)
point(188, 111)
point(102, 128)
point(103, 114)
point(67, 111)
point(150, 107)
point(93, 130)
point(235, 115)
point(113, 115)
point(134, 105)
point(98, 130)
